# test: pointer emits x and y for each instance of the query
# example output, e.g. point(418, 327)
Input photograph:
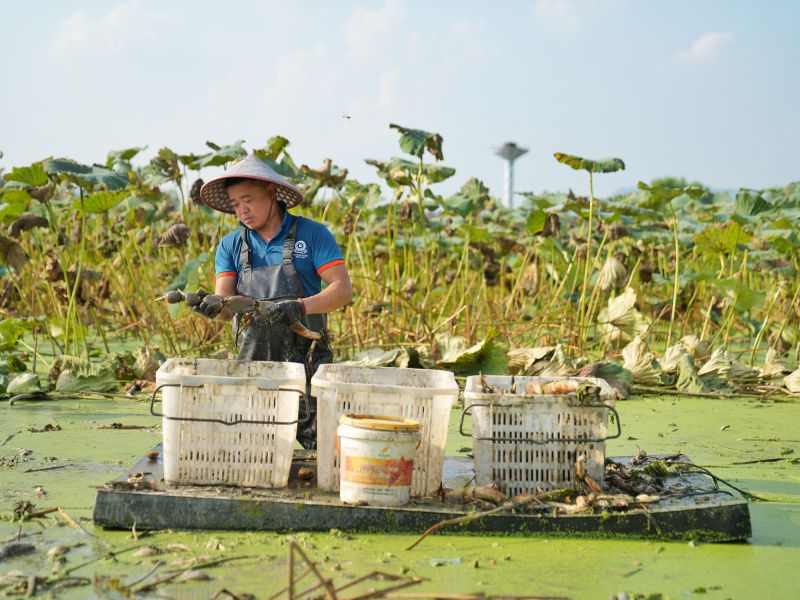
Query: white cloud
point(565, 18)
point(366, 28)
point(387, 90)
point(706, 47)
point(298, 74)
point(128, 22)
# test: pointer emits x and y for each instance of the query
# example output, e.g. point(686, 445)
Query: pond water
point(87, 457)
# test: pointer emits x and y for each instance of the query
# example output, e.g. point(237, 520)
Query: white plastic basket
point(228, 422)
point(423, 395)
point(525, 442)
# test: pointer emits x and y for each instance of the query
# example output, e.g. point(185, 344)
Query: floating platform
point(706, 513)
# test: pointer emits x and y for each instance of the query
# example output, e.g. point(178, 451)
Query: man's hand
point(284, 312)
point(210, 306)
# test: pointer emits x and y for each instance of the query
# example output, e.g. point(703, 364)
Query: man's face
point(254, 203)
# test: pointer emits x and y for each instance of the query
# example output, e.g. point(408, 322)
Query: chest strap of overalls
point(288, 247)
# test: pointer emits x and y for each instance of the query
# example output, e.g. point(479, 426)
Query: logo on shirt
point(300, 249)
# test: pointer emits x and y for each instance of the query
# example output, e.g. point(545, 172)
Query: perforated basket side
point(519, 466)
point(250, 455)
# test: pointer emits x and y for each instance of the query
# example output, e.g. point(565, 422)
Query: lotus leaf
point(660, 196)
point(11, 253)
point(792, 382)
point(724, 364)
point(619, 378)
point(743, 296)
point(24, 383)
point(33, 176)
point(776, 365)
point(148, 360)
point(483, 356)
point(221, 155)
point(86, 176)
point(119, 160)
point(401, 172)
point(99, 202)
point(559, 364)
point(721, 238)
point(604, 165)
point(696, 347)
point(69, 382)
point(415, 358)
point(376, 357)
point(529, 361)
point(642, 363)
point(613, 275)
point(275, 145)
point(416, 141)
point(621, 319)
point(669, 363)
point(688, 379)
point(749, 203)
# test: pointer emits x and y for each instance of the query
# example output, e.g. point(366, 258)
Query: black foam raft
point(705, 513)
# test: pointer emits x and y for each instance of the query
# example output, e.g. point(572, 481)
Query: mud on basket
point(527, 438)
point(423, 395)
point(228, 422)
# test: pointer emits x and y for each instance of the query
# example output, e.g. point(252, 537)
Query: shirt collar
point(286, 223)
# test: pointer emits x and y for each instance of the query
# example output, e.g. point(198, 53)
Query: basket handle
point(528, 440)
point(236, 422)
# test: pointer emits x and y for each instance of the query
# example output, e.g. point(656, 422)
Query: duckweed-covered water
point(766, 567)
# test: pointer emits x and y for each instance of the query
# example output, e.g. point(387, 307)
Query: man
point(274, 256)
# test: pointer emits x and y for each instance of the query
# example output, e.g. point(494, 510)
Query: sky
point(703, 89)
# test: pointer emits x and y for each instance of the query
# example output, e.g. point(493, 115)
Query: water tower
point(510, 152)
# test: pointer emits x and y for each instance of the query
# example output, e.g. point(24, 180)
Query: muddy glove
point(284, 312)
point(210, 306)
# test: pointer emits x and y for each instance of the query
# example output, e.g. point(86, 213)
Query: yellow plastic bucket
point(376, 459)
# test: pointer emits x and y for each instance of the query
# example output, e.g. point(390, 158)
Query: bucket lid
point(379, 422)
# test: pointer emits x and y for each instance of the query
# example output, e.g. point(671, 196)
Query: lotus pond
point(684, 299)
point(757, 451)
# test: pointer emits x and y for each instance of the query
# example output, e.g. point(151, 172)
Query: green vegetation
point(449, 281)
point(758, 452)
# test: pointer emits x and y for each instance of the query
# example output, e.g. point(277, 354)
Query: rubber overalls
point(262, 340)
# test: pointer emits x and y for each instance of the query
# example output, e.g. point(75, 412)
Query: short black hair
point(230, 181)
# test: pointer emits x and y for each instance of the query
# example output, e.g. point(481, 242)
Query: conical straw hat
point(214, 194)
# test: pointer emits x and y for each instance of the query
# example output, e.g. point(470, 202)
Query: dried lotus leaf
point(560, 364)
point(26, 222)
point(621, 319)
point(724, 364)
point(775, 365)
point(669, 363)
point(696, 347)
point(523, 361)
point(792, 381)
point(174, 236)
point(642, 363)
point(613, 275)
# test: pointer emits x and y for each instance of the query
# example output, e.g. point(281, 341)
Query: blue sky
point(696, 88)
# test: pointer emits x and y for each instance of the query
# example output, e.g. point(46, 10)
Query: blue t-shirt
point(315, 250)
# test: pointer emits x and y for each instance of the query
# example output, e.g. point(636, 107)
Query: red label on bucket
point(378, 471)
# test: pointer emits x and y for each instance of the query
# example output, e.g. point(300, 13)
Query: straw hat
point(214, 194)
